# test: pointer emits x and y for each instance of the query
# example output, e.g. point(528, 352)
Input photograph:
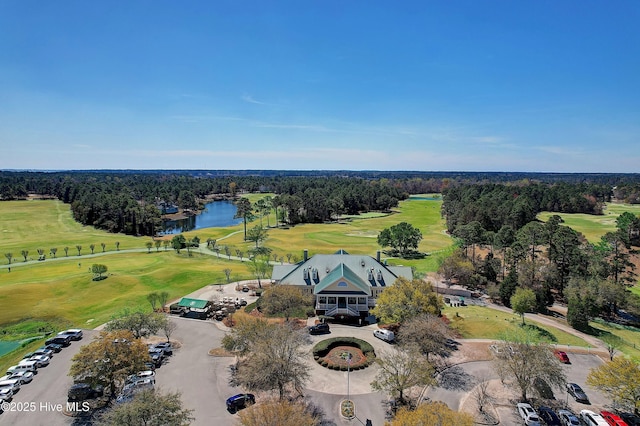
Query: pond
point(216, 214)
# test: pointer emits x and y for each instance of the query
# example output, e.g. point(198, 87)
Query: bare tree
point(401, 370)
point(168, 328)
point(275, 360)
point(521, 362)
point(481, 393)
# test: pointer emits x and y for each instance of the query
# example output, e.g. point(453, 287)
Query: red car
point(562, 356)
point(613, 419)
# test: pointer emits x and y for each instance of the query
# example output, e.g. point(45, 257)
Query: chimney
point(378, 256)
point(305, 255)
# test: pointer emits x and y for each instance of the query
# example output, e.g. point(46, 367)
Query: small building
point(341, 284)
point(196, 308)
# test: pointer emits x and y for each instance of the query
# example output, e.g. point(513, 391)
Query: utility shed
point(187, 302)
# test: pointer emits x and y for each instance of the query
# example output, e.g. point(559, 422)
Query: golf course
point(39, 297)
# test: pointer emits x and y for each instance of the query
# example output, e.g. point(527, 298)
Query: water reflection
point(216, 214)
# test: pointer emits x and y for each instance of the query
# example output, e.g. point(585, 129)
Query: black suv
point(321, 328)
point(82, 391)
point(63, 341)
point(241, 400)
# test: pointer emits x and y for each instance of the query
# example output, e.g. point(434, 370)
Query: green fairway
point(485, 323)
point(63, 288)
point(357, 236)
point(592, 226)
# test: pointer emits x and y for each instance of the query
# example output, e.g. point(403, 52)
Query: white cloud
point(248, 98)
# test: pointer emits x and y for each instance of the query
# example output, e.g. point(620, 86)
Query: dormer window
point(379, 275)
point(314, 274)
point(305, 273)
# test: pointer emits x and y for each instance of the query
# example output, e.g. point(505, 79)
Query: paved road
point(42, 401)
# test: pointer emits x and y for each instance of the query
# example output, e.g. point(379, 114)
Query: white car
point(593, 419)
point(528, 414)
point(23, 376)
point(141, 375)
point(40, 360)
point(13, 384)
point(5, 394)
point(73, 333)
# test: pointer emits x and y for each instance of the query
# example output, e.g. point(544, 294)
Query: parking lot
point(203, 381)
point(467, 373)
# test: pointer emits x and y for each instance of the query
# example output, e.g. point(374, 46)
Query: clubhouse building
point(343, 285)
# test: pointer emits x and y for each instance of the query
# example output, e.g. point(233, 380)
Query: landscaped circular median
point(344, 353)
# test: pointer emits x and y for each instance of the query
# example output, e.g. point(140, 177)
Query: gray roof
point(318, 267)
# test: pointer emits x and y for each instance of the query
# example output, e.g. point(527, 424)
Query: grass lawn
point(624, 339)
point(479, 322)
point(357, 236)
point(591, 226)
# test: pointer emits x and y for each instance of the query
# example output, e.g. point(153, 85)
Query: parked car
point(141, 375)
point(73, 333)
point(542, 388)
point(149, 365)
point(165, 346)
point(577, 393)
point(562, 356)
point(592, 419)
point(548, 416)
point(40, 360)
point(62, 340)
point(23, 376)
point(82, 391)
point(43, 351)
point(13, 384)
point(613, 419)
point(52, 347)
point(157, 356)
point(631, 419)
point(321, 328)
point(239, 401)
point(386, 335)
point(6, 394)
point(130, 389)
point(528, 414)
point(24, 365)
point(567, 418)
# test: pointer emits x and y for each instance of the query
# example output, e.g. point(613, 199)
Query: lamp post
point(348, 371)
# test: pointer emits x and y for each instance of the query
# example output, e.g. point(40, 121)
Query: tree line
point(550, 259)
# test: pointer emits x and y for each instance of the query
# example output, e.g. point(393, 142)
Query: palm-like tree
point(25, 253)
point(53, 251)
point(79, 248)
point(245, 211)
point(92, 247)
point(103, 246)
point(9, 256)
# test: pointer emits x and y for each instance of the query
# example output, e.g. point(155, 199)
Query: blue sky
point(548, 86)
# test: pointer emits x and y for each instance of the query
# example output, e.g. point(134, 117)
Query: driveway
point(460, 380)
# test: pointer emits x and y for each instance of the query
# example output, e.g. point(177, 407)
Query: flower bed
point(347, 409)
point(344, 353)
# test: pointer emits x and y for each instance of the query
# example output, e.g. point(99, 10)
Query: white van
point(24, 365)
point(386, 335)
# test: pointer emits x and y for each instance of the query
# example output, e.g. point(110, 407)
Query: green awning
point(193, 303)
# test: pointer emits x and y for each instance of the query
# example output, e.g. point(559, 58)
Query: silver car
point(40, 360)
point(23, 376)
